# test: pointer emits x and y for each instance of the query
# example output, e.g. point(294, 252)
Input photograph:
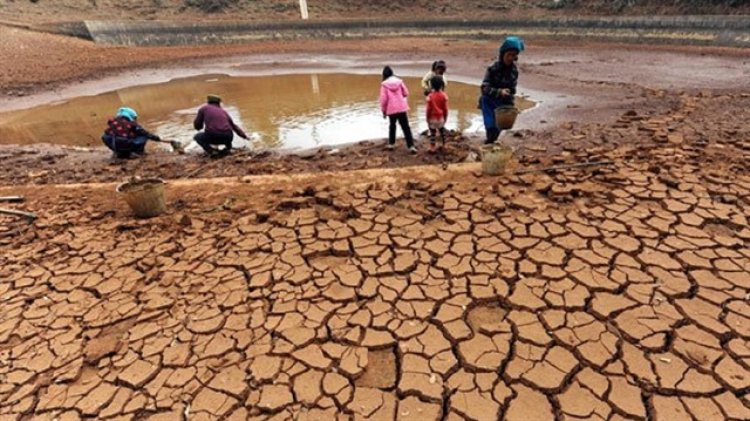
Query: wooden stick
point(11, 199)
point(14, 212)
point(564, 167)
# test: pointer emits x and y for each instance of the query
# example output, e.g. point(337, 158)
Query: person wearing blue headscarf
point(499, 84)
point(124, 136)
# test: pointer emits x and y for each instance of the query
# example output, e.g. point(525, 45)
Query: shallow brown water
point(285, 111)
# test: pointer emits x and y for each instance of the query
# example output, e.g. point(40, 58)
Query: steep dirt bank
point(62, 10)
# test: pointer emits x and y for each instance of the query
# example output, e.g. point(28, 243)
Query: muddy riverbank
point(577, 85)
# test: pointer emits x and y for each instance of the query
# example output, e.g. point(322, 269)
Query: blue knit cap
point(511, 43)
point(128, 113)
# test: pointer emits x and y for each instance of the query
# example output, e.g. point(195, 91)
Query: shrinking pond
point(286, 111)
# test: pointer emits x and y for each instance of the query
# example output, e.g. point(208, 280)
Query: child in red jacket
point(437, 111)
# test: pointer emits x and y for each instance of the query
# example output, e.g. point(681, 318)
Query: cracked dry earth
point(606, 293)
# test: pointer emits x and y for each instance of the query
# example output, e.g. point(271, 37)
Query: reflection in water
point(315, 84)
point(289, 111)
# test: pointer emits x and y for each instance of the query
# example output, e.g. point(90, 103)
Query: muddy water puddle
point(296, 111)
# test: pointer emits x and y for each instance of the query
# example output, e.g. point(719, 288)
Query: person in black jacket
point(499, 85)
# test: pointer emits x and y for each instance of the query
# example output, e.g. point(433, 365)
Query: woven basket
point(505, 116)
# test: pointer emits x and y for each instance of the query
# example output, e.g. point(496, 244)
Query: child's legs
point(436, 125)
point(392, 129)
point(403, 121)
point(443, 134)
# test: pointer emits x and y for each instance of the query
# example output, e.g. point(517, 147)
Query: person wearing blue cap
point(124, 136)
point(499, 84)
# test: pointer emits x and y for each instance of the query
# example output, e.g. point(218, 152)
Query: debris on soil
point(97, 168)
point(14, 212)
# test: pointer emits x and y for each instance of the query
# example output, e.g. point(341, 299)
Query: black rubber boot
point(492, 135)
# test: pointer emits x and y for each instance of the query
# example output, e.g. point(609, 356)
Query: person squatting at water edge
point(219, 128)
point(393, 104)
point(499, 84)
point(438, 69)
point(124, 136)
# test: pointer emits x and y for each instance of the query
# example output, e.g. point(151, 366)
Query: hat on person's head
point(213, 99)
point(511, 43)
point(128, 113)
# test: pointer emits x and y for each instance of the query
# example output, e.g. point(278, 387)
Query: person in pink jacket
point(393, 93)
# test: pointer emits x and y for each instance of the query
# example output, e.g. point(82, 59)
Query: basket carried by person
point(505, 116)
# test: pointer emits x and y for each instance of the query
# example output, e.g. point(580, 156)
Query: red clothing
point(216, 120)
point(437, 106)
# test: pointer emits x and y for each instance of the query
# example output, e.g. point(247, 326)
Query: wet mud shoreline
point(574, 86)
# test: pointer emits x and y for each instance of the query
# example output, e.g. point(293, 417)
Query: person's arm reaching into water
point(236, 128)
point(140, 131)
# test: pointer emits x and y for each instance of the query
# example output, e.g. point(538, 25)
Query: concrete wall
point(77, 29)
point(703, 30)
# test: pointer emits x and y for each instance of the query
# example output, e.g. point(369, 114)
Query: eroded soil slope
point(71, 10)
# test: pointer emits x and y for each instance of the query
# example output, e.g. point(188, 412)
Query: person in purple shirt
point(219, 128)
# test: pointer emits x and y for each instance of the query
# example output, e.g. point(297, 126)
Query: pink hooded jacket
point(393, 93)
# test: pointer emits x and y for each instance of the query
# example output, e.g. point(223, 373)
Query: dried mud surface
point(613, 292)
